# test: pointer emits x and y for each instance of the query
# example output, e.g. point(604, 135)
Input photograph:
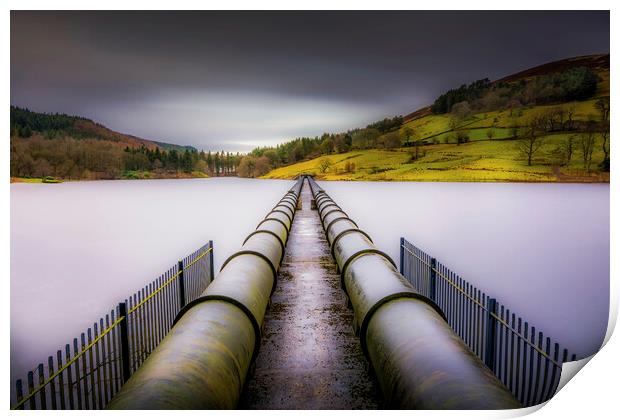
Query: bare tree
point(570, 117)
point(603, 107)
point(324, 164)
point(605, 143)
point(532, 140)
point(565, 150)
point(569, 147)
point(586, 143)
point(555, 118)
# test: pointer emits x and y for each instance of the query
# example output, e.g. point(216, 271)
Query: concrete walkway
point(309, 357)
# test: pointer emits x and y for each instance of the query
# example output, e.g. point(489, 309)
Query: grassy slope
point(478, 160)
point(475, 161)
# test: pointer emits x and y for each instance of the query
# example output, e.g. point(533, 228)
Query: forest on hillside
point(69, 158)
point(69, 147)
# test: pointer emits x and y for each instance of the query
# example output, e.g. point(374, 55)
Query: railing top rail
point(103, 333)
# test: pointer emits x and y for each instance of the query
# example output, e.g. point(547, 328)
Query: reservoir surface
point(77, 248)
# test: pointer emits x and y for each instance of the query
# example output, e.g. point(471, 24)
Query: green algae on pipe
point(200, 364)
point(419, 361)
point(422, 364)
point(203, 361)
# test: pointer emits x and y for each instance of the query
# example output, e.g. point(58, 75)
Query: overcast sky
point(236, 80)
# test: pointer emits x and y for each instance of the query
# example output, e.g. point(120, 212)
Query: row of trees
point(533, 137)
point(25, 123)
point(383, 133)
point(387, 124)
point(69, 158)
point(571, 85)
point(145, 159)
point(469, 93)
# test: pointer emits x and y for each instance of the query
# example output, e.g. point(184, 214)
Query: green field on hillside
point(480, 159)
point(499, 121)
point(496, 160)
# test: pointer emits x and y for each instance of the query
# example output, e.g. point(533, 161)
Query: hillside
point(486, 141)
point(24, 121)
point(59, 146)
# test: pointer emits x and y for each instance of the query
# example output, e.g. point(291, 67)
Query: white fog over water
point(77, 248)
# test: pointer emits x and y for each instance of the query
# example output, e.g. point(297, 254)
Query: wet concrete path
point(309, 357)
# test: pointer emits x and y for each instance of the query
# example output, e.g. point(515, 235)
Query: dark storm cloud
point(237, 79)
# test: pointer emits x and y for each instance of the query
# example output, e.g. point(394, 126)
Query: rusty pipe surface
point(419, 362)
point(203, 361)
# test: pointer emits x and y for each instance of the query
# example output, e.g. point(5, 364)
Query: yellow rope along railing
point(149, 297)
point(195, 260)
point(105, 332)
point(497, 317)
point(69, 363)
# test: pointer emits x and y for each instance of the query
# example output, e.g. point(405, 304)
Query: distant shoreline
point(18, 180)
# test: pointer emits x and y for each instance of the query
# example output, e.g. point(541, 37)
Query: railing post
point(211, 269)
point(402, 255)
point(122, 314)
point(432, 281)
point(489, 353)
point(19, 393)
point(181, 284)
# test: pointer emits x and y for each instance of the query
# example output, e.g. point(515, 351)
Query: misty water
point(78, 248)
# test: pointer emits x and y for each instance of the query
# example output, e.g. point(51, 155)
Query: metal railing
point(523, 359)
point(91, 370)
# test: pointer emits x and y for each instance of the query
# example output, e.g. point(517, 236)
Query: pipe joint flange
point(277, 220)
point(334, 211)
point(261, 256)
point(327, 206)
point(360, 253)
point(346, 232)
point(289, 199)
point(223, 298)
point(322, 198)
point(270, 233)
point(400, 295)
point(288, 216)
point(337, 219)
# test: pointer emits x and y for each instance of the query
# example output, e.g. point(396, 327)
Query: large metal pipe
point(203, 361)
point(419, 362)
